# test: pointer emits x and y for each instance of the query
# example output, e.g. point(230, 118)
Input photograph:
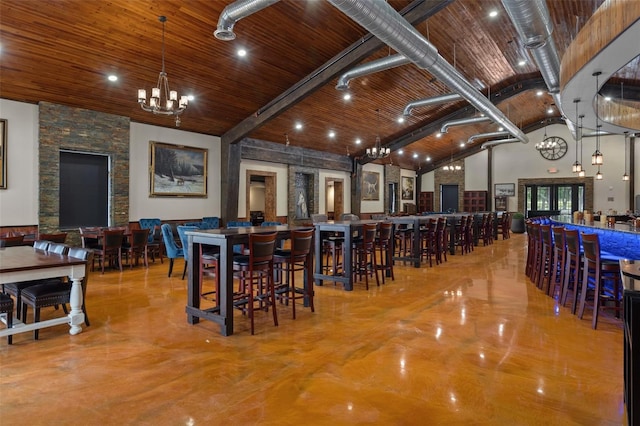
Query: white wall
point(475, 172)
point(19, 202)
point(167, 208)
point(282, 195)
point(429, 182)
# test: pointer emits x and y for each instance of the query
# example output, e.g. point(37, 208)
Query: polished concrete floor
point(468, 342)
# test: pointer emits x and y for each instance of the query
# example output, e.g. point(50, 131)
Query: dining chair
point(271, 223)
point(137, 247)
point(184, 240)
point(56, 291)
point(154, 245)
point(111, 248)
point(89, 241)
point(6, 307)
point(211, 222)
point(172, 250)
point(385, 251)
point(295, 259)
point(255, 272)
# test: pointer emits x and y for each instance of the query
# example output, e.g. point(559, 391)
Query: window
point(84, 190)
point(564, 198)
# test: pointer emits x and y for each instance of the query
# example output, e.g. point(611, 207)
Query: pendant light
point(625, 176)
point(596, 157)
point(577, 166)
point(582, 172)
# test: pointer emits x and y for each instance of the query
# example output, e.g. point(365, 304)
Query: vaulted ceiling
point(62, 51)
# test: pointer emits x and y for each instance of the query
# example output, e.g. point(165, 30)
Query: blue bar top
point(622, 240)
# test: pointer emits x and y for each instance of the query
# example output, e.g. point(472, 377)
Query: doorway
point(334, 194)
point(449, 198)
point(261, 195)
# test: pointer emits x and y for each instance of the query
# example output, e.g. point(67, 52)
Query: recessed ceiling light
point(415, 155)
point(438, 135)
point(539, 93)
point(500, 129)
point(113, 77)
point(493, 13)
point(346, 96)
point(242, 53)
point(522, 62)
point(607, 98)
point(462, 144)
point(298, 126)
point(428, 158)
point(550, 111)
point(332, 134)
point(400, 120)
point(190, 97)
point(358, 141)
point(400, 151)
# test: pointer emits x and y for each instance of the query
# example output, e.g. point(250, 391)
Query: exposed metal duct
point(436, 100)
point(370, 68)
point(472, 138)
point(235, 12)
point(498, 142)
point(534, 26)
point(463, 122)
point(381, 20)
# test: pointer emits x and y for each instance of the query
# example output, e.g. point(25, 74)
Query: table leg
point(226, 288)
point(76, 316)
point(318, 254)
point(193, 282)
point(347, 266)
point(417, 252)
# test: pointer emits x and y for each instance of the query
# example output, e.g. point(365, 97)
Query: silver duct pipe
point(381, 20)
point(436, 100)
point(498, 142)
point(534, 26)
point(235, 12)
point(370, 68)
point(463, 122)
point(487, 135)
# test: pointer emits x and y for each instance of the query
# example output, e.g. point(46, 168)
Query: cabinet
point(425, 201)
point(474, 201)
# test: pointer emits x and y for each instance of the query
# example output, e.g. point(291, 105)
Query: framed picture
point(3, 154)
point(407, 188)
point(370, 186)
point(177, 171)
point(505, 190)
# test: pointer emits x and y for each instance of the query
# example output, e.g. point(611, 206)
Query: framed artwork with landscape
point(370, 186)
point(177, 170)
point(505, 189)
point(3, 154)
point(407, 188)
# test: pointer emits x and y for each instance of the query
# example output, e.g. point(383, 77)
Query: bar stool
point(460, 234)
point(384, 249)
point(428, 241)
point(296, 259)
point(365, 255)
point(537, 252)
point(596, 273)
point(530, 249)
point(6, 307)
point(559, 256)
point(572, 268)
point(546, 258)
point(256, 268)
point(441, 240)
point(332, 248)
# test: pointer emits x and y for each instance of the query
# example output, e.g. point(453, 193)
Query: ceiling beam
point(417, 12)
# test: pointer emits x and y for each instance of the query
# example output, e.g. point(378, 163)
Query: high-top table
point(225, 239)
point(24, 263)
point(346, 228)
point(415, 222)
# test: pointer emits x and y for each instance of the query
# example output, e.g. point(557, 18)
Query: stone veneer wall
point(313, 201)
point(391, 175)
point(442, 177)
point(81, 130)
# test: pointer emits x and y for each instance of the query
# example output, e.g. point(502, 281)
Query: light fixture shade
point(576, 167)
point(596, 158)
point(625, 177)
point(582, 173)
point(599, 175)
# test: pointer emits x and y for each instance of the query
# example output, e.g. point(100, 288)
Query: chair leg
point(36, 318)
point(170, 267)
point(184, 271)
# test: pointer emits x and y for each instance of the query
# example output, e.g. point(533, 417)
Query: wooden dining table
point(25, 263)
point(225, 239)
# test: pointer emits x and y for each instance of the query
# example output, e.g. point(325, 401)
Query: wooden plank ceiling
point(62, 52)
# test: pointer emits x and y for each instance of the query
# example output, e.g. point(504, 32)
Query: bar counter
point(623, 239)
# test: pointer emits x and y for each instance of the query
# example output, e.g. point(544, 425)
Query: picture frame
point(177, 170)
point(3, 153)
point(407, 188)
point(370, 186)
point(505, 190)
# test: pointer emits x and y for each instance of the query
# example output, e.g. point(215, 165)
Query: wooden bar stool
point(384, 249)
point(365, 255)
point(572, 268)
point(559, 256)
point(597, 273)
point(546, 258)
point(296, 259)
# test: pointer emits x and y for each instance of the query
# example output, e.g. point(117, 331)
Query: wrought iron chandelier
point(577, 166)
point(163, 101)
point(625, 176)
point(378, 151)
point(452, 167)
point(597, 158)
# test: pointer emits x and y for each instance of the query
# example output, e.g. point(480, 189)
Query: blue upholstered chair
point(172, 249)
point(237, 224)
point(271, 224)
point(182, 229)
point(211, 222)
point(199, 224)
point(150, 224)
